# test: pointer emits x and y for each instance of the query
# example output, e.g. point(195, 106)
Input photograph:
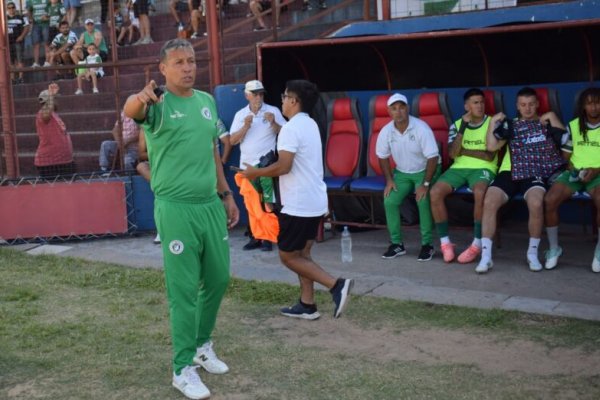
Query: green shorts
point(577, 186)
point(457, 177)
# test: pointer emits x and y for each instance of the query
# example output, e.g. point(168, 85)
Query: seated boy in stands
point(473, 166)
point(130, 26)
point(410, 142)
point(61, 46)
point(90, 73)
point(582, 150)
point(531, 159)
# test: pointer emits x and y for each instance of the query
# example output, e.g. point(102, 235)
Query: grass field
point(73, 329)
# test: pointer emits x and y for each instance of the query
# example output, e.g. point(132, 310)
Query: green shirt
point(584, 153)
point(474, 138)
point(37, 9)
point(56, 13)
point(180, 135)
point(90, 38)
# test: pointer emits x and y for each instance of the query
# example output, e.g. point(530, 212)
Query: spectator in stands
point(187, 175)
point(304, 199)
point(91, 35)
point(61, 46)
point(92, 73)
point(531, 159)
point(473, 166)
point(54, 155)
point(18, 28)
point(38, 15)
point(255, 128)
point(259, 6)
point(197, 12)
point(411, 144)
point(56, 14)
point(143, 168)
point(177, 6)
point(131, 25)
point(140, 10)
point(582, 150)
point(118, 21)
point(306, 6)
point(126, 139)
point(73, 8)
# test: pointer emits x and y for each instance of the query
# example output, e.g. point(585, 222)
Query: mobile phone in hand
point(234, 168)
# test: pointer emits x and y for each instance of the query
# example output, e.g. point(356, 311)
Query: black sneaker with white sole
point(301, 310)
point(341, 294)
point(395, 250)
point(426, 253)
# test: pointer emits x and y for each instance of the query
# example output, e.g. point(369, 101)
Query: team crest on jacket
point(206, 113)
point(176, 247)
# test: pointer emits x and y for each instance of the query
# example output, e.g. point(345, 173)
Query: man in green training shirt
point(180, 128)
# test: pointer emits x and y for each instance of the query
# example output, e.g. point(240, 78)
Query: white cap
point(89, 21)
point(397, 97)
point(254, 86)
point(43, 96)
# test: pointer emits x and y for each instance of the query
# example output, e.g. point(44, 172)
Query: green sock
point(477, 229)
point(442, 228)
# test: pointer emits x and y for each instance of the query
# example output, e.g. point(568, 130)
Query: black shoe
point(426, 253)
point(394, 251)
point(252, 244)
point(300, 310)
point(266, 246)
point(341, 294)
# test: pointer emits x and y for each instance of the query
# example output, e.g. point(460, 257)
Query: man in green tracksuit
point(180, 128)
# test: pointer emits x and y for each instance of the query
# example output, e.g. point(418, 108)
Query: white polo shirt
point(303, 192)
point(409, 150)
point(260, 138)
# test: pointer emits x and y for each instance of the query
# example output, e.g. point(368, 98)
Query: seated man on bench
point(531, 160)
point(582, 150)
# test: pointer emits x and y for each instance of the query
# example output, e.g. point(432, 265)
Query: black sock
point(312, 306)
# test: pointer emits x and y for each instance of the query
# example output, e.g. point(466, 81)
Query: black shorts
point(504, 182)
point(140, 7)
point(16, 52)
point(295, 232)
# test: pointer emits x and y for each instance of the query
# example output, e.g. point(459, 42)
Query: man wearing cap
point(89, 36)
point(411, 145)
point(255, 128)
point(54, 155)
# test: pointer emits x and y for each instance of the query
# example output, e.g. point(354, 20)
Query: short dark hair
point(473, 92)
point(527, 91)
point(62, 23)
point(307, 92)
point(174, 44)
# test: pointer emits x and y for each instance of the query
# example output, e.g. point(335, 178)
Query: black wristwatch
point(225, 194)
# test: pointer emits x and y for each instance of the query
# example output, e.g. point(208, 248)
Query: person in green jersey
point(90, 35)
point(193, 208)
point(473, 166)
point(38, 16)
point(582, 149)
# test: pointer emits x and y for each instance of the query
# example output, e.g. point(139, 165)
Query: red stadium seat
point(432, 107)
point(548, 99)
point(493, 102)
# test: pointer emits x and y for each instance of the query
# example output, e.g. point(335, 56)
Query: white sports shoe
point(552, 257)
point(484, 266)
point(207, 359)
point(534, 264)
point(78, 92)
point(157, 239)
point(190, 384)
point(596, 261)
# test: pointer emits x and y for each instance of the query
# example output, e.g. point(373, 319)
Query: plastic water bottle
point(346, 246)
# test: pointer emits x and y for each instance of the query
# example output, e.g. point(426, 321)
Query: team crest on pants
point(176, 247)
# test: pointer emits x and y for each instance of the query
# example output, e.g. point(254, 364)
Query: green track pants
point(195, 245)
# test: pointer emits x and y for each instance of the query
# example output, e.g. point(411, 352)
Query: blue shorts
point(71, 3)
point(40, 33)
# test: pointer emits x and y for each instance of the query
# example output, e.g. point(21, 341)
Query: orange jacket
point(264, 225)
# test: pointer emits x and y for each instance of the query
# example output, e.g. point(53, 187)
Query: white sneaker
point(157, 239)
point(484, 266)
point(190, 384)
point(207, 359)
point(47, 64)
point(35, 65)
point(596, 261)
point(552, 257)
point(95, 91)
point(534, 264)
point(78, 92)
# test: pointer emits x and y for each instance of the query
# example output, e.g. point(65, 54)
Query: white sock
point(476, 242)
point(486, 249)
point(532, 251)
point(552, 233)
point(445, 240)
